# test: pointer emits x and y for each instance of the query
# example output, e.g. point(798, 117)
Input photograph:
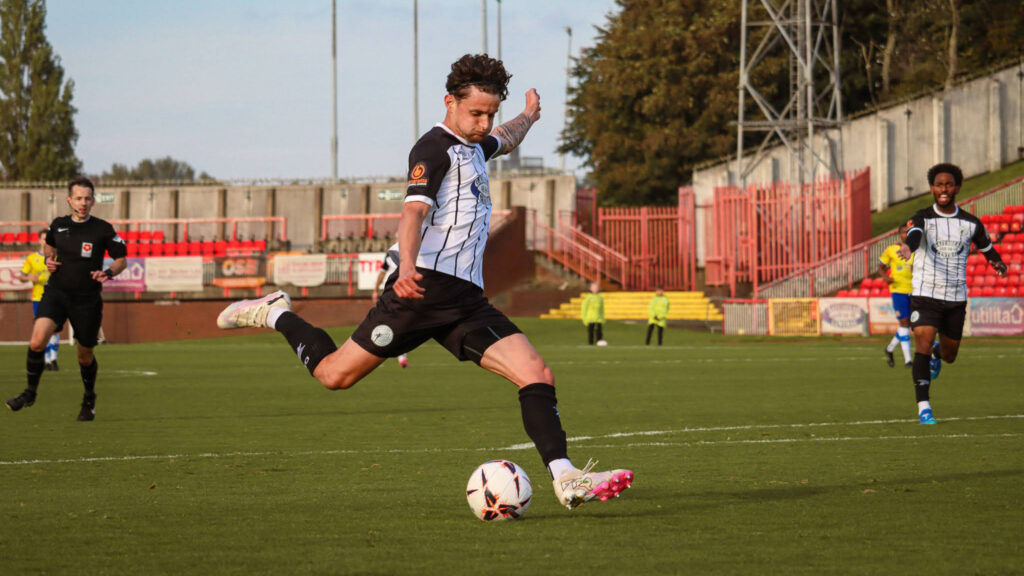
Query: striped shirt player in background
point(940, 238)
point(899, 273)
point(438, 292)
point(387, 269)
point(34, 271)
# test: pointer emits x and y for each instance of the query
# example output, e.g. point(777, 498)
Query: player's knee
point(37, 345)
point(333, 380)
point(84, 355)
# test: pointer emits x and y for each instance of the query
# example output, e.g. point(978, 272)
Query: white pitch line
point(575, 439)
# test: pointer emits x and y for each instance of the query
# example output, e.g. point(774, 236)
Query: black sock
point(34, 370)
point(590, 333)
point(542, 422)
point(310, 343)
point(650, 330)
point(89, 376)
point(660, 331)
point(922, 374)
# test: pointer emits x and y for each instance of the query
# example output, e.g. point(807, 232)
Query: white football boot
point(576, 487)
point(252, 313)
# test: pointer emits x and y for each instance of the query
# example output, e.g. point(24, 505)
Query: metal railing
point(857, 263)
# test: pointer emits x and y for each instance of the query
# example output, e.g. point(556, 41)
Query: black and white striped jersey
point(940, 263)
point(450, 174)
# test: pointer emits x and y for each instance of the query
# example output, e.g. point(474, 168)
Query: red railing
point(373, 225)
point(561, 248)
point(766, 232)
point(185, 223)
point(845, 269)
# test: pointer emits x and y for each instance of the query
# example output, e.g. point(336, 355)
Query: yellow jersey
point(35, 263)
point(902, 271)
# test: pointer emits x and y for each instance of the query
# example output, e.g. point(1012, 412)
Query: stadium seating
point(633, 306)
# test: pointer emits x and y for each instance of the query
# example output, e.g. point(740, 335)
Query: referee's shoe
point(20, 401)
point(88, 413)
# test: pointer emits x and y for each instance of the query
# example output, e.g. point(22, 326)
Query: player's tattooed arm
point(513, 132)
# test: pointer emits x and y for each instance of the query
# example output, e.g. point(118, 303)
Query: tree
point(160, 169)
point(37, 128)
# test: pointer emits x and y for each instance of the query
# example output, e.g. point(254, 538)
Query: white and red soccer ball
point(499, 490)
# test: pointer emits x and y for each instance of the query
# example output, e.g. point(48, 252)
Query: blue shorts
point(901, 304)
point(35, 308)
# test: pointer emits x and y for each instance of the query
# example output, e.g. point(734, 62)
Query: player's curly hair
point(945, 168)
point(479, 70)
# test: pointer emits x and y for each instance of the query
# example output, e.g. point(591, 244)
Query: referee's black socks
point(34, 370)
point(310, 343)
point(89, 376)
point(542, 422)
point(922, 373)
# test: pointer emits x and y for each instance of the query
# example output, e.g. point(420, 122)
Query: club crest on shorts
point(86, 249)
point(382, 335)
point(914, 316)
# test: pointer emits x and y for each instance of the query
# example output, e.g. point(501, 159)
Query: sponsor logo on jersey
point(86, 249)
point(382, 335)
point(118, 239)
point(948, 248)
point(416, 175)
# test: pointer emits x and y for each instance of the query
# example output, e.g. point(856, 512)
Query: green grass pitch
point(752, 456)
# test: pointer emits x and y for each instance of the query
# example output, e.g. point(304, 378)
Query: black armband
point(914, 239)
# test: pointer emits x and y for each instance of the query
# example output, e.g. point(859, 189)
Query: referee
point(74, 249)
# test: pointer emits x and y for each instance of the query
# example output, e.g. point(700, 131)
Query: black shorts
point(947, 316)
point(85, 311)
point(450, 309)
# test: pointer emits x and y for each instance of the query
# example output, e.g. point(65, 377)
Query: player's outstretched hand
point(52, 264)
point(1000, 268)
point(100, 276)
point(407, 286)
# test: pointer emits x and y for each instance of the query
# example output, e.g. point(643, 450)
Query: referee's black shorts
point(450, 309)
point(945, 315)
point(84, 311)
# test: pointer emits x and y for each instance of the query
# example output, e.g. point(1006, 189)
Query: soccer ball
point(602, 342)
point(499, 490)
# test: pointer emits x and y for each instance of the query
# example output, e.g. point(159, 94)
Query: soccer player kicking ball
point(899, 273)
point(388, 268)
point(438, 292)
point(940, 238)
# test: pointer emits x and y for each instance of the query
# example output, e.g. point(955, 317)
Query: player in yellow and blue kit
point(34, 271)
point(900, 274)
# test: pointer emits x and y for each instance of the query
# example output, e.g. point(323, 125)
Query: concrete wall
point(302, 205)
point(976, 125)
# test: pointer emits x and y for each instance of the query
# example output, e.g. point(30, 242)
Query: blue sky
point(242, 89)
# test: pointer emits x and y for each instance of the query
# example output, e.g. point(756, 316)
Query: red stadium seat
point(975, 259)
point(156, 249)
point(988, 280)
point(195, 248)
point(1013, 279)
point(1002, 281)
point(842, 294)
point(248, 245)
point(1013, 291)
point(170, 248)
point(8, 238)
point(33, 237)
point(863, 293)
point(143, 250)
point(146, 236)
point(261, 245)
point(1001, 291)
point(133, 248)
point(988, 292)
point(234, 245)
point(158, 236)
point(876, 291)
point(131, 236)
point(220, 248)
point(973, 291)
point(22, 238)
point(208, 248)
